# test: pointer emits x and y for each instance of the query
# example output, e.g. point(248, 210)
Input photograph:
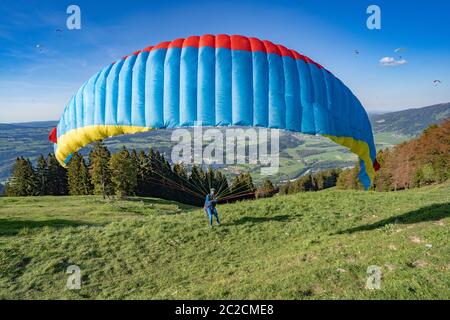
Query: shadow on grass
point(10, 227)
point(434, 212)
point(255, 220)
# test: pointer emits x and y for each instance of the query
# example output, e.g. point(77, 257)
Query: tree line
point(415, 163)
point(124, 173)
point(312, 182)
point(129, 173)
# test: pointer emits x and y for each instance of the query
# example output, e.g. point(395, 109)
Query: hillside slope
point(303, 246)
point(411, 121)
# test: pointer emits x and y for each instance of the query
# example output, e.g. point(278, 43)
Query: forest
point(414, 163)
point(124, 173)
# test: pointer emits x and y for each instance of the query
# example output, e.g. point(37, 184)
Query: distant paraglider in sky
point(399, 51)
point(437, 82)
point(216, 81)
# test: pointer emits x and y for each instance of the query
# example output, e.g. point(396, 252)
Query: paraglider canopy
point(216, 81)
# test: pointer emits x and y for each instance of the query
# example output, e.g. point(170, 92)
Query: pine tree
point(42, 175)
point(180, 170)
point(220, 183)
point(123, 173)
point(348, 179)
point(57, 177)
point(100, 172)
point(155, 181)
point(236, 184)
point(185, 192)
point(161, 176)
point(331, 177)
point(210, 179)
point(267, 190)
point(23, 181)
point(305, 183)
point(286, 188)
point(242, 187)
point(247, 178)
point(167, 176)
point(134, 158)
point(197, 180)
point(143, 172)
point(318, 180)
point(342, 179)
point(79, 180)
point(7, 192)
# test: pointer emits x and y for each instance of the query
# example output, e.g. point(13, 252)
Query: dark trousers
point(212, 212)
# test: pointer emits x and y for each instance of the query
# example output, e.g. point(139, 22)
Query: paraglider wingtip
point(376, 166)
point(52, 136)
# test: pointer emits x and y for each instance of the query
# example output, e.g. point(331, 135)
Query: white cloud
point(391, 62)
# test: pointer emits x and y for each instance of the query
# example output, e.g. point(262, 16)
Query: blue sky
point(37, 82)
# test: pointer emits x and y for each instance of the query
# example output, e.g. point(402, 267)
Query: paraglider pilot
point(210, 207)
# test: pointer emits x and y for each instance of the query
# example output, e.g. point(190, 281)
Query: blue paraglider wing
point(216, 81)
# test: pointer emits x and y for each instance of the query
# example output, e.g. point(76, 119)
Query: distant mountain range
point(410, 122)
point(299, 153)
point(35, 124)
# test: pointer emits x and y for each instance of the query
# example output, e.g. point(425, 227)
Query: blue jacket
point(210, 202)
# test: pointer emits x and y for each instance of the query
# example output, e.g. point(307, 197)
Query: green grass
point(304, 246)
point(389, 139)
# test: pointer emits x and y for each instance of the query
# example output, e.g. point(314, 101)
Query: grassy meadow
point(303, 246)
